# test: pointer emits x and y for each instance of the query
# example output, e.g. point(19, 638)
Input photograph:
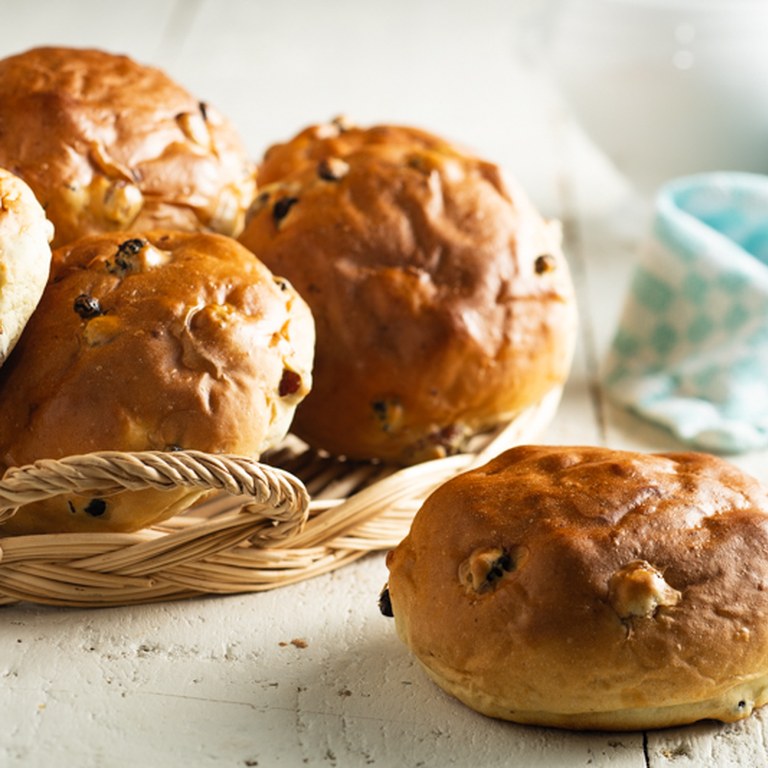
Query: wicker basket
point(295, 515)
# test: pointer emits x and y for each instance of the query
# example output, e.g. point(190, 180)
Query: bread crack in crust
point(109, 144)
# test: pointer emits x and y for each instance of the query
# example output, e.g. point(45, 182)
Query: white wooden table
point(313, 674)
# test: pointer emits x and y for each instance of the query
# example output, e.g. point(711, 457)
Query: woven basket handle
point(275, 495)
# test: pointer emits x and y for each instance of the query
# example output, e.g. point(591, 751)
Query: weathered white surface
point(220, 682)
point(312, 674)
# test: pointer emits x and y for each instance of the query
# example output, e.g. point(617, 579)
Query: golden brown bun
point(108, 144)
point(25, 257)
point(153, 341)
point(590, 588)
point(442, 300)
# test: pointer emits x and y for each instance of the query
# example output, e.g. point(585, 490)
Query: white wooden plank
point(740, 745)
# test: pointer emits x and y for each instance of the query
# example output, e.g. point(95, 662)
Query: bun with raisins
point(442, 300)
point(108, 144)
point(25, 257)
point(591, 588)
point(152, 341)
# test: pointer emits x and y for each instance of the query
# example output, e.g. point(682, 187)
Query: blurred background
point(468, 70)
point(634, 90)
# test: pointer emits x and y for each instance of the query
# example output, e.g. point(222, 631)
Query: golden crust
point(108, 144)
point(442, 300)
point(589, 588)
point(152, 341)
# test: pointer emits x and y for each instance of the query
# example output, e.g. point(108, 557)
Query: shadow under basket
point(292, 516)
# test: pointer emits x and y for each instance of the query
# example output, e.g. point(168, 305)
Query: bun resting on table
point(443, 303)
point(151, 341)
point(25, 257)
point(109, 144)
point(590, 588)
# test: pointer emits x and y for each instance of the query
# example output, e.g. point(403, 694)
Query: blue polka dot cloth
point(691, 349)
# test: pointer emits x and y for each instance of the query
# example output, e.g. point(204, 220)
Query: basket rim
point(265, 526)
